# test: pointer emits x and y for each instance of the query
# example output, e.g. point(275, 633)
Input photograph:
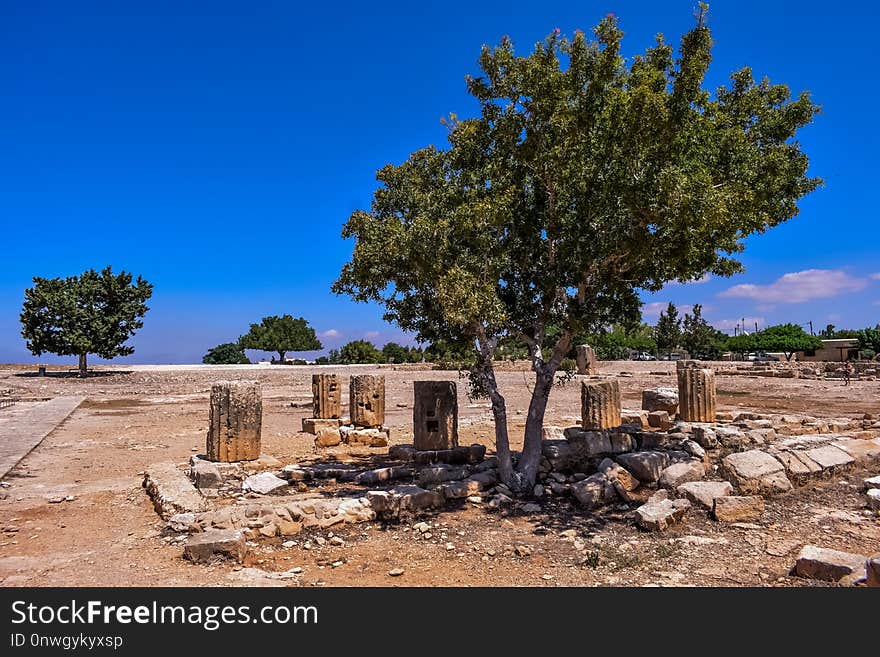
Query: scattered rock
point(531, 508)
point(874, 499)
point(827, 565)
point(756, 471)
point(205, 546)
point(263, 483)
point(704, 493)
point(735, 508)
point(660, 399)
point(659, 513)
point(680, 473)
point(172, 491)
point(872, 567)
point(645, 466)
point(182, 522)
point(396, 572)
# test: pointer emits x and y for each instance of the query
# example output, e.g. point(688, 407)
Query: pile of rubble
point(677, 455)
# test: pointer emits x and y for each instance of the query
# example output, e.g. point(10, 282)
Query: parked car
point(762, 358)
point(672, 356)
point(644, 355)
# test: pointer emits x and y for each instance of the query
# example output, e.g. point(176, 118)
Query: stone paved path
point(23, 427)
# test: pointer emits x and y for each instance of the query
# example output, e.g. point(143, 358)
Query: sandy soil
point(109, 534)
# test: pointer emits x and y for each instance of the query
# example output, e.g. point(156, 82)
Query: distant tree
point(228, 353)
point(360, 351)
point(281, 334)
point(698, 338)
point(584, 178)
point(869, 339)
point(785, 338)
point(742, 344)
point(87, 314)
point(395, 353)
point(827, 332)
point(846, 334)
point(322, 360)
point(667, 333)
point(619, 342)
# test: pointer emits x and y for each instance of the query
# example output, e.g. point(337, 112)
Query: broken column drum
point(236, 420)
point(696, 393)
point(326, 396)
point(435, 415)
point(587, 363)
point(600, 405)
point(367, 400)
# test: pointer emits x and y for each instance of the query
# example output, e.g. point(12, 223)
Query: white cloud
point(875, 277)
point(800, 286)
point(371, 335)
point(833, 317)
point(330, 333)
point(654, 308)
point(748, 322)
point(705, 278)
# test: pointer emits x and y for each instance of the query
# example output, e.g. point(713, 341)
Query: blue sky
point(217, 149)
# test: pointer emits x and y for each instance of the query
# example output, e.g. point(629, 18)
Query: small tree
point(667, 333)
point(281, 334)
point(360, 351)
point(585, 179)
point(228, 353)
point(87, 314)
point(697, 337)
point(786, 338)
point(828, 332)
point(869, 339)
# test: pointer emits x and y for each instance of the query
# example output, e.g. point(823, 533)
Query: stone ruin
point(600, 405)
point(366, 408)
point(696, 392)
point(236, 418)
point(587, 362)
point(726, 466)
point(435, 415)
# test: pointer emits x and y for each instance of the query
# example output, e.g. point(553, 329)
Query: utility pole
point(756, 327)
point(811, 327)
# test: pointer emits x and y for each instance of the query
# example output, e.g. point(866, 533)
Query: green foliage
point(787, 338)
point(360, 351)
point(281, 334)
point(667, 333)
point(87, 314)
point(584, 179)
point(742, 343)
point(699, 339)
point(869, 339)
point(228, 353)
point(395, 353)
point(620, 341)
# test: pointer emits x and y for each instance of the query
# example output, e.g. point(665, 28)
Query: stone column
point(600, 405)
point(696, 392)
point(235, 422)
point(326, 396)
point(586, 359)
point(435, 415)
point(367, 400)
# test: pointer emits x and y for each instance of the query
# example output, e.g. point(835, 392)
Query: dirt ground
point(109, 535)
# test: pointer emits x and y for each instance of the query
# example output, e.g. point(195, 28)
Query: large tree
point(93, 313)
point(667, 333)
point(698, 338)
point(785, 338)
point(281, 334)
point(583, 180)
point(360, 351)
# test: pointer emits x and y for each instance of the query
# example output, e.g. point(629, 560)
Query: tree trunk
point(533, 439)
point(83, 366)
point(502, 440)
point(281, 354)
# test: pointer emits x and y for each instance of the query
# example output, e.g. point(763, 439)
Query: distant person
point(847, 372)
